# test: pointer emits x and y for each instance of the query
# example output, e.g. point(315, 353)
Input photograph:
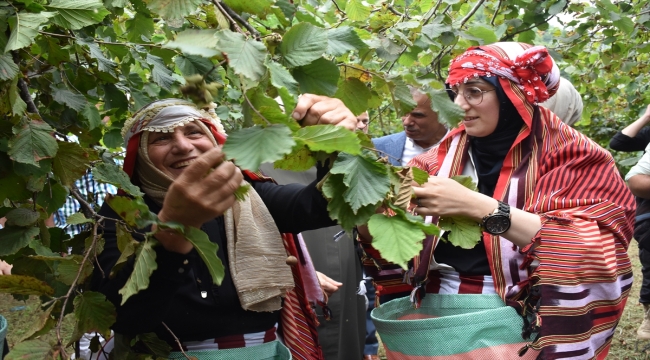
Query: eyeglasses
point(473, 95)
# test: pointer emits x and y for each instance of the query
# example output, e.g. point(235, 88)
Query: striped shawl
point(575, 292)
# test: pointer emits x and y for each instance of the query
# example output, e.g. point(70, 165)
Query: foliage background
point(81, 67)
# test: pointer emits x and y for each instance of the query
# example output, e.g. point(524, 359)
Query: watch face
point(497, 224)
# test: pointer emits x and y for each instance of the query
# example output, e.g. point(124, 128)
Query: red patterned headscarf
point(527, 74)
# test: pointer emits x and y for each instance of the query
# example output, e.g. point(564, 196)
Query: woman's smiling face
point(172, 152)
point(481, 119)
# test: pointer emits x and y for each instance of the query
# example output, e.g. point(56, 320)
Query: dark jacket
point(174, 293)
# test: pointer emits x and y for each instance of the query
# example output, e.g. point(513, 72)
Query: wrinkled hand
point(5, 268)
point(441, 196)
point(316, 109)
point(197, 196)
point(327, 284)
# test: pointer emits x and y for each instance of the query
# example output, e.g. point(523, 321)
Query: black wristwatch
point(497, 222)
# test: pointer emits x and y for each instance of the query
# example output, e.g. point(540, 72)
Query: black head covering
point(488, 152)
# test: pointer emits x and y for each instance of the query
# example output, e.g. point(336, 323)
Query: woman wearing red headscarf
point(556, 216)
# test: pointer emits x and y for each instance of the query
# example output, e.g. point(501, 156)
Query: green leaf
point(91, 114)
point(30, 350)
point(77, 219)
point(160, 74)
point(367, 180)
point(134, 212)
point(466, 181)
point(329, 138)
point(22, 217)
point(433, 31)
point(159, 348)
point(527, 36)
point(70, 163)
point(94, 313)
point(76, 14)
point(139, 27)
point(419, 176)
point(255, 145)
point(355, 95)
point(63, 95)
point(8, 68)
point(173, 9)
point(395, 238)
point(557, 7)
point(114, 175)
point(24, 285)
point(449, 113)
point(145, 264)
point(300, 159)
point(357, 10)
point(343, 39)
point(254, 7)
point(192, 64)
point(625, 24)
point(242, 192)
point(33, 142)
point(195, 42)
point(464, 232)
point(281, 78)
point(70, 266)
point(245, 56)
point(268, 108)
point(303, 43)
point(333, 189)
point(320, 77)
point(208, 252)
point(484, 33)
point(25, 27)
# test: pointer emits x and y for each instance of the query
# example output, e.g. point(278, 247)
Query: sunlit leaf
point(245, 56)
point(145, 264)
point(24, 285)
point(76, 14)
point(25, 27)
point(32, 143)
point(300, 159)
point(255, 7)
point(77, 219)
point(173, 9)
point(464, 232)
point(357, 10)
point(195, 42)
point(253, 146)
point(449, 113)
point(419, 176)
point(266, 110)
point(395, 238)
point(484, 33)
point(329, 138)
point(303, 43)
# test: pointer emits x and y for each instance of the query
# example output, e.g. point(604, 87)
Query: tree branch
point(339, 9)
point(511, 36)
point(23, 90)
point(496, 12)
point(235, 18)
point(86, 208)
point(178, 342)
point(471, 13)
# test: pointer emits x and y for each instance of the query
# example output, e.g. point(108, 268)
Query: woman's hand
point(199, 195)
point(321, 110)
point(446, 197)
point(327, 284)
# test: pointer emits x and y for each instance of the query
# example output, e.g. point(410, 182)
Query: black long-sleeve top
point(622, 142)
point(174, 292)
